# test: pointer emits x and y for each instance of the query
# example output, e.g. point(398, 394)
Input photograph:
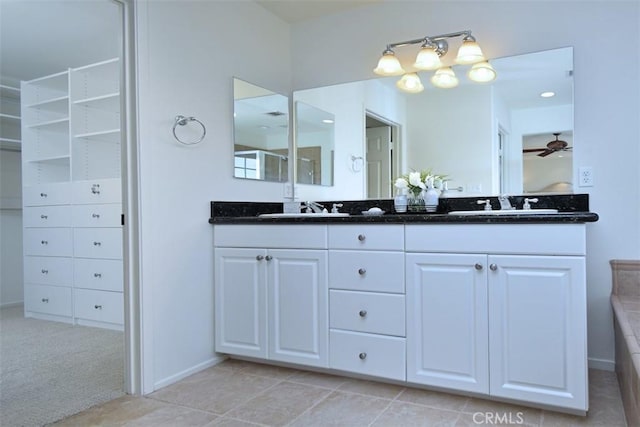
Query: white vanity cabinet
point(367, 299)
point(271, 297)
point(499, 309)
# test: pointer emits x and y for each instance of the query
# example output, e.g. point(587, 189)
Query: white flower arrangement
point(415, 182)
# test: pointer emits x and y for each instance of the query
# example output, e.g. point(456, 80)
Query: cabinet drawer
point(55, 300)
point(100, 274)
point(277, 236)
point(48, 270)
point(374, 237)
point(48, 241)
point(98, 243)
point(99, 306)
point(368, 354)
point(97, 191)
point(47, 216)
point(103, 215)
point(367, 312)
point(47, 194)
point(367, 271)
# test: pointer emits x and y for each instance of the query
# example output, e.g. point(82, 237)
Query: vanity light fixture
point(432, 49)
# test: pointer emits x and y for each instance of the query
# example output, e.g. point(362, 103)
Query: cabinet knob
point(95, 189)
point(43, 194)
point(97, 244)
point(268, 257)
point(493, 267)
point(361, 237)
point(97, 275)
point(97, 307)
point(44, 216)
point(362, 271)
point(44, 271)
point(259, 257)
point(478, 266)
point(363, 313)
point(44, 242)
point(362, 356)
point(95, 215)
point(45, 300)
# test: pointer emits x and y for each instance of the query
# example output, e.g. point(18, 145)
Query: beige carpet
point(49, 370)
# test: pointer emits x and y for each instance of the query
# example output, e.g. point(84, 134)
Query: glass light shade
point(410, 83)
point(388, 65)
point(427, 59)
point(482, 72)
point(469, 53)
point(444, 78)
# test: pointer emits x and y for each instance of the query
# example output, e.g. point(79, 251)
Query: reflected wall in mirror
point(473, 133)
point(314, 142)
point(260, 133)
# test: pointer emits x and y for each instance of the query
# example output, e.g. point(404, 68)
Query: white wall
point(606, 107)
point(188, 53)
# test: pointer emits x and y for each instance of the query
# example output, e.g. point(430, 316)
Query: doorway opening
point(382, 155)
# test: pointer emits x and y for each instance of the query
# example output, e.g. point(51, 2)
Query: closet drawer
point(371, 237)
point(100, 274)
point(99, 306)
point(368, 354)
point(48, 241)
point(48, 270)
point(54, 300)
point(103, 215)
point(47, 216)
point(367, 312)
point(47, 194)
point(97, 191)
point(367, 271)
point(97, 243)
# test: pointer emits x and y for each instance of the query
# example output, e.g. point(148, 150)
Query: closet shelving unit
point(10, 138)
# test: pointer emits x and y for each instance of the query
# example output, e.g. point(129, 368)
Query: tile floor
point(239, 393)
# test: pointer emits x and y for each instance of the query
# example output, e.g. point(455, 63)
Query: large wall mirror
point(488, 138)
point(261, 133)
point(314, 142)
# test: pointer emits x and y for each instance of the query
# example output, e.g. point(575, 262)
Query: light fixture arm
point(439, 41)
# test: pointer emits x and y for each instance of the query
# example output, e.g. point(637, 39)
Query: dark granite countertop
point(573, 208)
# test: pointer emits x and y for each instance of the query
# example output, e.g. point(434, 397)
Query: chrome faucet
point(505, 205)
point(312, 207)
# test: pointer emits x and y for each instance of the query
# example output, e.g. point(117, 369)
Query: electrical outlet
point(585, 176)
point(474, 188)
point(288, 190)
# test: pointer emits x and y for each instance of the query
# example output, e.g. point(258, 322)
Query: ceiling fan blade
point(533, 150)
point(546, 153)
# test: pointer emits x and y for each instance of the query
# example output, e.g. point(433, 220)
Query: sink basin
point(507, 212)
point(303, 215)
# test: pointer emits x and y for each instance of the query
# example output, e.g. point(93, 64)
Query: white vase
point(431, 198)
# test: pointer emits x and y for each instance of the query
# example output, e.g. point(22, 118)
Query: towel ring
point(182, 121)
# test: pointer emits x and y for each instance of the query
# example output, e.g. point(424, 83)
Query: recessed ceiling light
point(327, 121)
point(547, 94)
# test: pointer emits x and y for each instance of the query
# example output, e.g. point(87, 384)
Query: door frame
point(396, 146)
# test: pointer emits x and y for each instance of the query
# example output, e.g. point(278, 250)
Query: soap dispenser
point(431, 196)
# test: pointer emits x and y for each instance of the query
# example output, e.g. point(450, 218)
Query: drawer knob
point(97, 244)
point(493, 267)
point(478, 266)
point(97, 307)
point(362, 271)
point(97, 275)
point(259, 257)
point(44, 271)
point(45, 300)
point(95, 215)
point(268, 257)
point(95, 189)
point(362, 356)
point(363, 313)
point(44, 216)
point(361, 237)
point(43, 194)
point(44, 242)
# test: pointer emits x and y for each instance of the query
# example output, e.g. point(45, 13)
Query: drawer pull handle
point(97, 307)
point(44, 271)
point(362, 271)
point(44, 242)
point(361, 237)
point(268, 257)
point(97, 275)
point(97, 244)
point(478, 266)
point(43, 194)
point(362, 356)
point(45, 300)
point(363, 313)
point(259, 257)
point(95, 189)
point(493, 267)
point(95, 215)
point(44, 216)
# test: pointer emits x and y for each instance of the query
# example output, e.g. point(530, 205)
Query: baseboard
point(180, 375)
point(602, 364)
point(11, 304)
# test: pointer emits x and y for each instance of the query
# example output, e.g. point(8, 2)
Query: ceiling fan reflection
point(552, 147)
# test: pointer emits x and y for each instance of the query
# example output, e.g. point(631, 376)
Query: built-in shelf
point(50, 123)
point(54, 160)
point(9, 144)
point(52, 103)
point(111, 135)
point(9, 92)
point(109, 101)
point(9, 117)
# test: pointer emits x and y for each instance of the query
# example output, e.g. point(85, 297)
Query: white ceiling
point(293, 11)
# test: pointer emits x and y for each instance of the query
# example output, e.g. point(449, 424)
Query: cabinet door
point(240, 302)
point(298, 307)
point(537, 318)
point(447, 328)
